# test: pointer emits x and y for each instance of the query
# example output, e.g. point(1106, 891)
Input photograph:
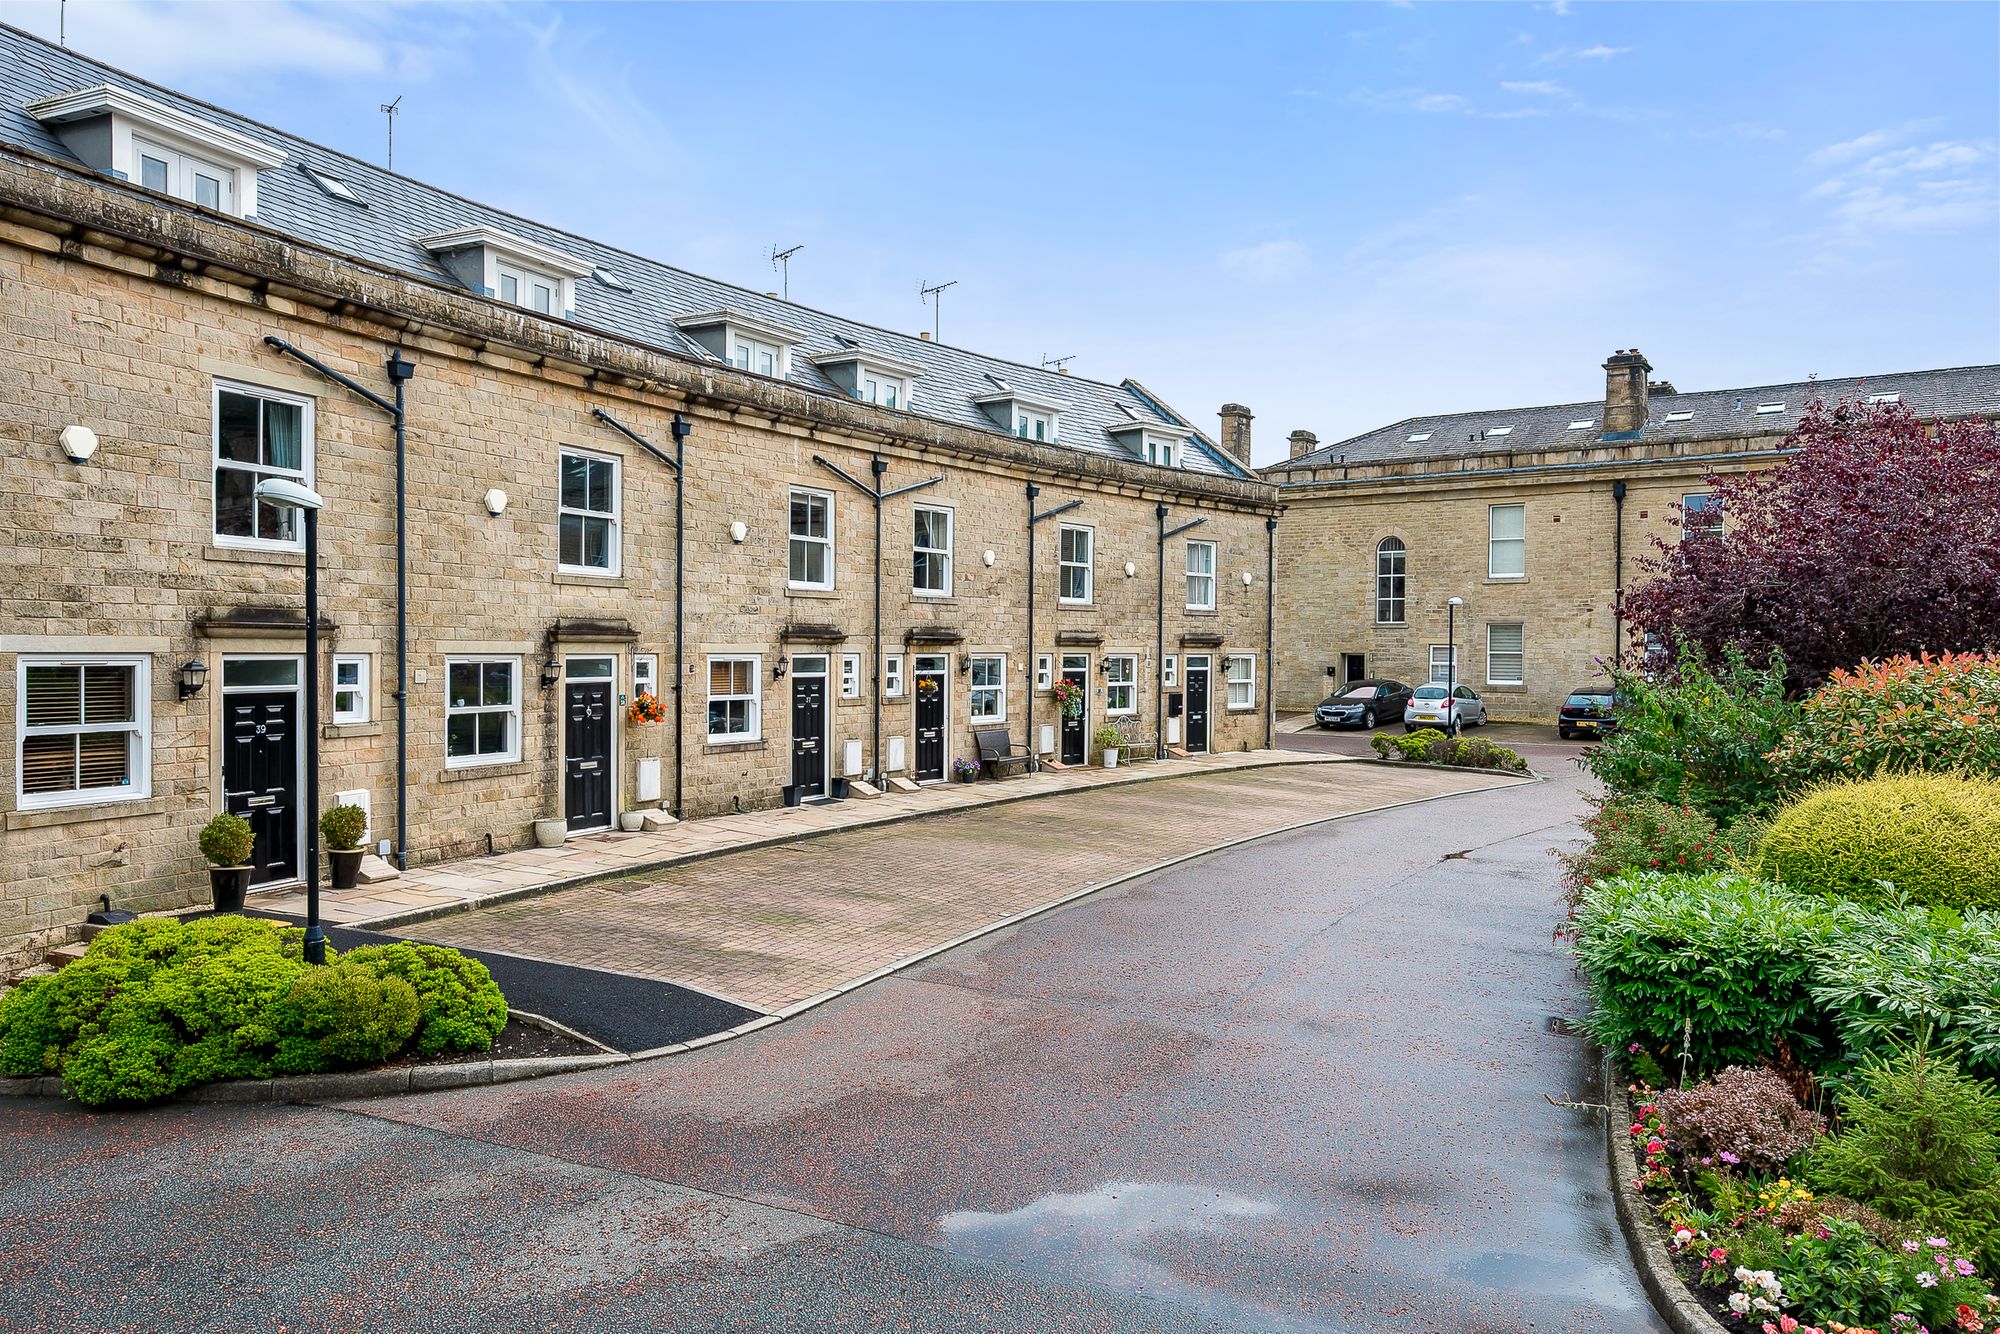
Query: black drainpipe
point(400, 372)
point(1618, 571)
point(1270, 631)
point(681, 431)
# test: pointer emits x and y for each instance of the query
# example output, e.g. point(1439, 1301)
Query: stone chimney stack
point(1303, 442)
point(1236, 432)
point(1625, 391)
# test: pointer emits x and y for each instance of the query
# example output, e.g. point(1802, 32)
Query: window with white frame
point(350, 687)
point(1074, 567)
point(989, 688)
point(753, 354)
point(811, 558)
point(1201, 576)
point(886, 390)
point(1391, 584)
point(1239, 674)
point(1045, 671)
point(1160, 450)
point(1505, 655)
point(482, 711)
point(1034, 425)
point(587, 526)
point(892, 674)
point(1121, 683)
point(185, 176)
point(932, 551)
point(84, 730)
point(1507, 541)
point(1443, 662)
point(850, 676)
point(645, 674)
point(524, 287)
point(1170, 670)
point(734, 699)
point(1701, 516)
point(259, 433)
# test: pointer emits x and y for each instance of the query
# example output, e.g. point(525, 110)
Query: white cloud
point(1601, 52)
point(167, 42)
point(1536, 88)
point(1569, 55)
point(1270, 262)
point(1885, 187)
point(1413, 99)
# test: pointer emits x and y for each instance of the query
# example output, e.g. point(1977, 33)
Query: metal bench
point(997, 753)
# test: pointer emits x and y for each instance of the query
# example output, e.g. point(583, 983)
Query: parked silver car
point(1430, 707)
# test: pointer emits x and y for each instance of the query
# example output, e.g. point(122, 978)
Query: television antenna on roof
point(1057, 363)
point(935, 295)
point(389, 110)
point(782, 261)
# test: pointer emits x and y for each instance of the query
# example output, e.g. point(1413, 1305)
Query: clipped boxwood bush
point(1923, 838)
point(1432, 746)
point(157, 1005)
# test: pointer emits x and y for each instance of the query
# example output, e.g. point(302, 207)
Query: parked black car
point(1363, 704)
point(1589, 711)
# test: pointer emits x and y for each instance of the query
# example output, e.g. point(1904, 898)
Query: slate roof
point(399, 210)
point(1713, 414)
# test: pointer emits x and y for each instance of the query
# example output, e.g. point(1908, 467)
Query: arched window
point(1389, 582)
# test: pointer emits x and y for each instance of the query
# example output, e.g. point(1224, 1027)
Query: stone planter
point(227, 885)
point(632, 821)
point(1111, 757)
point(551, 833)
point(343, 867)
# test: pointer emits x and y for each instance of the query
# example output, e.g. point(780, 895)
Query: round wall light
point(1248, 578)
point(496, 502)
point(79, 442)
point(1130, 569)
point(989, 558)
point(738, 531)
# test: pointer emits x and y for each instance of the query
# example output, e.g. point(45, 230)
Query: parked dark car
point(1363, 704)
point(1589, 711)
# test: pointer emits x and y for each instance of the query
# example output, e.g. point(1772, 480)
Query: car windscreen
point(1581, 701)
point(1430, 692)
point(1357, 692)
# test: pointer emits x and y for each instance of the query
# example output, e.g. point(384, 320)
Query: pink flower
point(1964, 1267)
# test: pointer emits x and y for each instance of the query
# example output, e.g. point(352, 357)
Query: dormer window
point(1020, 414)
point(1031, 425)
point(510, 268)
point(747, 342)
point(870, 376)
point(160, 147)
point(1155, 442)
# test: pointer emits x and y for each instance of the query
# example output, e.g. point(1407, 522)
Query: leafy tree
point(1879, 537)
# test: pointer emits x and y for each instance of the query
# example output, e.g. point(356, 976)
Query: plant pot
point(227, 885)
point(1111, 757)
point(632, 821)
point(551, 833)
point(343, 867)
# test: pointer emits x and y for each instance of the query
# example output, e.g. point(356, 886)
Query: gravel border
point(1681, 1309)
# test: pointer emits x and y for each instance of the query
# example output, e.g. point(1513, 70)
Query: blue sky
point(1340, 215)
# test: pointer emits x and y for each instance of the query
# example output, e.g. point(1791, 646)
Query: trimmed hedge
point(157, 1005)
point(1920, 838)
point(1431, 745)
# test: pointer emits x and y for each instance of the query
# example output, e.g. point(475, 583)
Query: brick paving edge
point(1681, 1309)
point(413, 916)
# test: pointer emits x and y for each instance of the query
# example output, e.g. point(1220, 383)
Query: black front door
point(1076, 671)
point(929, 679)
point(260, 773)
point(1356, 668)
point(809, 736)
point(587, 755)
point(1197, 707)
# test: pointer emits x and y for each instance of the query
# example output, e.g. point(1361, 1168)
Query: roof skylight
point(1682, 416)
point(1583, 425)
point(1769, 409)
point(1501, 430)
point(1417, 439)
point(333, 185)
point(610, 279)
point(1885, 398)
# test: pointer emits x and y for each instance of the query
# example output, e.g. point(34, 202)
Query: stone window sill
point(729, 747)
point(1202, 611)
point(253, 556)
point(469, 772)
point(588, 580)
point(1505, 579)
point(791, 592)
point(96, 810)
point(351, 729)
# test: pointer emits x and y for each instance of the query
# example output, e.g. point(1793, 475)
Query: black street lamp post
point(290, 495)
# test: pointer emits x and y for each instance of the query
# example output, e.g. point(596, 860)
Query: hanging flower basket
point(646, 708)
point(1070, 696)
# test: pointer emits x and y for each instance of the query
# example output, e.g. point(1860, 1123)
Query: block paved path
point(777, 926)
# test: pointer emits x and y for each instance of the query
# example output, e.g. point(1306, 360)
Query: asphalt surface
point(1297, 1086)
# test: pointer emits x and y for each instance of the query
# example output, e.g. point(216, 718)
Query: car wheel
point(1368, 720)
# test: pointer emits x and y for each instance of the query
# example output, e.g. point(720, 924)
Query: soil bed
point(518, 1039)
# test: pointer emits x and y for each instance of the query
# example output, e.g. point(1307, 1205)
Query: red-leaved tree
point(1880, 536)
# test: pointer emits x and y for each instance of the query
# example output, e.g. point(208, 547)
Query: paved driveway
point(1294, 1086)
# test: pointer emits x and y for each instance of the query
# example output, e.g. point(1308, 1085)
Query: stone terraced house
point(195, 302)
point(1535, 517)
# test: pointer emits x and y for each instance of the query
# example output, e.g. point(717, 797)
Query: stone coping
point(1681, 1309)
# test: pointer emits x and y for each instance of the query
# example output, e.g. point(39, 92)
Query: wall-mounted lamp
point(551, 673)
point(989, 558)
point(738, 531)
point(780, 667)
point(1248, 579)
point(965, 664)
point(79, 442)
point(496, 502)
point(1130, 569)
point(193, 675)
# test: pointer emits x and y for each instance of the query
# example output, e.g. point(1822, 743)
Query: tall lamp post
point(1451, 606)
point(286, 495)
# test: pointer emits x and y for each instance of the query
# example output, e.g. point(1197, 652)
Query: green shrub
point(1643, 833)
point(226, 840)
point(30, 1040)
point(1840, 1273)
point(1922, 838)
point(1476, 753)
point(1411, 746)
point(343, 826)
point(1924, 975)
point(1920, 1142)
point(463, 1009)
point(1710, 970)
point(344, 1014)
point(1699, 738)
point(1899, 716)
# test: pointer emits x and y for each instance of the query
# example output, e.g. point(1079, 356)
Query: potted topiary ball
point(226, 842)
point(1108, 740)
point(342, 827)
